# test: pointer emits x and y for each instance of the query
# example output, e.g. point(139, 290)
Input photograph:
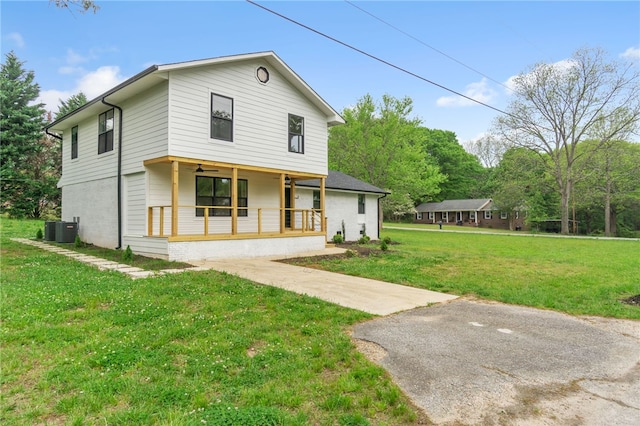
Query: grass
point(83, 346)
point(576, 276)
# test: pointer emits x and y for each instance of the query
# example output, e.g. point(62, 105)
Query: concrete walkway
point(372, 296)
point(375, 297)
point(100, 263)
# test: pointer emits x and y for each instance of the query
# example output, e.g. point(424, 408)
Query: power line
point(425, 44)
point(375, 57)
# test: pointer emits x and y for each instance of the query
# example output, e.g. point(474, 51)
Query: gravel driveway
point(469, 362)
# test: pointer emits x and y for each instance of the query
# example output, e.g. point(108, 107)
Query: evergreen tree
point(21, 123)
point(71, 104)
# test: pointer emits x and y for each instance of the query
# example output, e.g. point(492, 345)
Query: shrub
point(350, 253)
point(364, 239)
point(127, 255)
point(39, 234)
point(78, 242)
point(384, 245)
point(387, 240)
point(337, 239)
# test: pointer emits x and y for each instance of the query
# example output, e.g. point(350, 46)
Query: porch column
point(323, 220)
point(282, 204)
point(175, 169)
point(234, 201)
point(292, 203)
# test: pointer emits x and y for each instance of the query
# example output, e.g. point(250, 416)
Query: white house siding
point(343, 206)
point(145, 128)
point(228, 249)
point(260, 134)
point(135, 208)
point(95, 203)
point(151, 247)
point(89, 164)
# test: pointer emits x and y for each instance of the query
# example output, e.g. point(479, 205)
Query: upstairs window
point(221, 118)
point(296, 134)
point(316, 200)
point(216, 191)
point(105, 132)
point(74, 142)
point(360, 203)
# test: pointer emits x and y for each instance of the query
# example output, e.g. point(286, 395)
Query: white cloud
point(51, 98)
point(74, 58)
point(632, 53)
point(99, 81)
point(17, 39)
point(91, 83)
point(480, 91)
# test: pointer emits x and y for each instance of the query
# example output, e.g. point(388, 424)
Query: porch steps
point(329, 245)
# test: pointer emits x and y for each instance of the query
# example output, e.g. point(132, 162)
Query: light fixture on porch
point(287, 180)
point(201, 170)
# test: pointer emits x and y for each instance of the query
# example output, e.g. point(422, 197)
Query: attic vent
point(262, 74)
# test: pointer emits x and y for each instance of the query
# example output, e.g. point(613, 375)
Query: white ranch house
point(214, 158)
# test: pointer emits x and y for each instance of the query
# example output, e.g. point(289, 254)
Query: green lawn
point(573, 275)
point(82, 346)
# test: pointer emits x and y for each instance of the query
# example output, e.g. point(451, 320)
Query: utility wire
point(374, 57)
point(425, 44)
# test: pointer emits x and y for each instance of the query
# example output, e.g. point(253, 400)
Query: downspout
point(119, 171)
point(380, 214)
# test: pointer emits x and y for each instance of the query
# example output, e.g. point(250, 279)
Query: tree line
point(561, 151)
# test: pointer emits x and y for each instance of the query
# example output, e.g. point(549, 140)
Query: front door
point(287, 206)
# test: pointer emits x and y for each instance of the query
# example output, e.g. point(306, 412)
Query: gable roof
point(341, 181)
point(158, 73)
point(456, 205)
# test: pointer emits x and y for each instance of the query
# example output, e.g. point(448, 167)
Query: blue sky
point(489, 41)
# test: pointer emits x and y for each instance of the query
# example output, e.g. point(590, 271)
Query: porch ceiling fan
point(201, 170)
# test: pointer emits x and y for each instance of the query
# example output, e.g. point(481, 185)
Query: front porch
point(263, 207)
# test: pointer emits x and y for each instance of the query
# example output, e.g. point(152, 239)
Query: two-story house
point(200, 159)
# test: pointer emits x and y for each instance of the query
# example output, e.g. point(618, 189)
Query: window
point(445, 216)
point(221, 118)
point(316, 200)
point(431, 215)
point(503, 215)
point(105, 132)
point(216, 191)
point(360, 203)
point(517, 214)
point(418, 216)
point(487, 214)
point(296, 134)
point(74, 142)
point(472, 215)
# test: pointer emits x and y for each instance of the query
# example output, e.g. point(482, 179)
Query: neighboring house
point(200, 160)
point(348, 200)
point(475, 212)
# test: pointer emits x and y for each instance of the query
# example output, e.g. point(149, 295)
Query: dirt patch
point(633, 300)
point(353, 249)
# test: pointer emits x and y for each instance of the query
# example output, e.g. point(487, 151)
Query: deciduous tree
point(556, 106)
point(380, 144)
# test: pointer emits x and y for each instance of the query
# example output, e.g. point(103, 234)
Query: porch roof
point(456, 205)
point(344, 182)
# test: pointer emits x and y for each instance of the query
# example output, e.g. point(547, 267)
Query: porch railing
point(259, 221)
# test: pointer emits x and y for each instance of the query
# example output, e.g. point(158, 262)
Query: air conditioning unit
point(66, 232)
